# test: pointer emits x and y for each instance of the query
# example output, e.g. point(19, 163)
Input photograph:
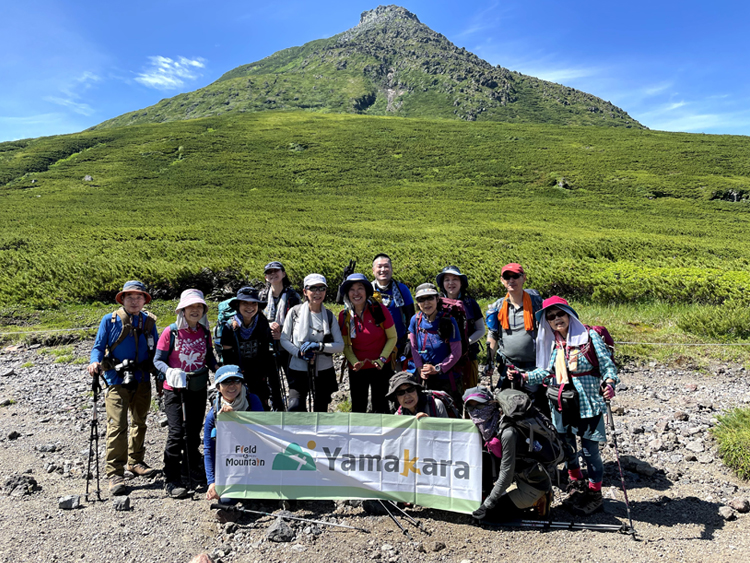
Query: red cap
point(513, 267)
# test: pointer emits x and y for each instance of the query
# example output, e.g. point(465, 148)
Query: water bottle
point(537, 446)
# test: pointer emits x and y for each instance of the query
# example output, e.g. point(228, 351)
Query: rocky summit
point(388, 64)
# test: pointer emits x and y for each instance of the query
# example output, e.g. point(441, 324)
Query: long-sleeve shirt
point(323, 357)
point(428, 348)
point(590, 400)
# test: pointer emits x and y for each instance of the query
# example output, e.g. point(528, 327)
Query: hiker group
point(274, 350)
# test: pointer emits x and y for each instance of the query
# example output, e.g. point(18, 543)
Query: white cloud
point(562, 75)
point(168, 74)
point(78, 107)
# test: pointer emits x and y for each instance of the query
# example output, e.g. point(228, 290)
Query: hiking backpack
point(590, 352)
point(225, 314)
point(451, 309)
point(544, 444)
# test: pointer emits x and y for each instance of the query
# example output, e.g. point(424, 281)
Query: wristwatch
point(383, 359)
point(439, 368)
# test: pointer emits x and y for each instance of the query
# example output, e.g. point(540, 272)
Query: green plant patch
point(733, 435)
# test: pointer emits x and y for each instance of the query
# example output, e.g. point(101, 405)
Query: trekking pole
point(312, 368)
point(242, 509)
point(94, 439)
point(544, 525)
point(279, 375)
point(404, 530)
point(619, 465)
point(409, 518)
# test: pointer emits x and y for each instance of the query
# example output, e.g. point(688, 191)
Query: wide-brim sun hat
point(354, 278)
point(191, 297)
point(557, 302)
point(227, 372)
point(399, 379)
point(425, 290)
point(456, 272)
point(247, 294)
point(133, 286)
point(480, 394)
point(314, 279)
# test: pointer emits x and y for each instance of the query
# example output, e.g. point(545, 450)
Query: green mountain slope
point(603, 214)
point(389, 64)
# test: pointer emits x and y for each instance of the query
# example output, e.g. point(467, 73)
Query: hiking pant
point(121, 447)
point(370, 380)
point(591, 455)
point(176, 453)
point(436, 384)
point(299, 387)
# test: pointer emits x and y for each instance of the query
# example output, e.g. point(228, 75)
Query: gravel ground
point(679, 490)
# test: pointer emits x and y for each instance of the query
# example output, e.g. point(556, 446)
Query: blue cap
point(227, 372)
point(275, 265)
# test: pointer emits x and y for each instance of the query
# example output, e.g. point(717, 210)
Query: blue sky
point(674, 66)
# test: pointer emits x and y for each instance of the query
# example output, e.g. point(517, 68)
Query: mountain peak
point(383, 14)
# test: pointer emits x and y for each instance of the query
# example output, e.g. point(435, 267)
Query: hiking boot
point(588, 503)
point(175, 491)
point(197, 478)
point(117, 485)
point(141, 469)
point(575, 490)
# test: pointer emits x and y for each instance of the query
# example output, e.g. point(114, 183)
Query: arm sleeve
point(349, 354)
point(478, 331)
point(492, 322)
point(209, 446)
point(539, 375)
point(210, 357)
point(390, 343)
point(455, 353)
point(102, 339)
point(507, 468)
point(161, 359)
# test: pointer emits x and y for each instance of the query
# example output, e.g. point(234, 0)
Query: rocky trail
point(685, 504)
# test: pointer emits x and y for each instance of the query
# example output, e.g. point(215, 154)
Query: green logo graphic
point(294, 459)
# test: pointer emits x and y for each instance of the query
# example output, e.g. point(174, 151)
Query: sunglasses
point(423, 299)
point(509, 276)
point(317, 289)
point(558, 315)
point(402, 392)
point(231, 382)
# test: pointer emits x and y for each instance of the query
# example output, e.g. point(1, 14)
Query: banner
point(431, 462)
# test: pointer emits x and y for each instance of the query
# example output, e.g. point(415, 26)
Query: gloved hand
point(480, 512)
point(608, 391)
point(176, 378)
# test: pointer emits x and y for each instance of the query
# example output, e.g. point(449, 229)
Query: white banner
point(432, 462)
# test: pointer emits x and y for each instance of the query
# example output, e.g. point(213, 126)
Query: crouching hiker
point(124, 351)
point(504, 441)
point(184, 355)
point(581, 373)
point(406, 389)
point(232, 396)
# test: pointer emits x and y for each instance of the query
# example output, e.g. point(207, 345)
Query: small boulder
point(727, 513)
point(69, 502)
point(280, 531)
point(121, 503)
point(741, 505)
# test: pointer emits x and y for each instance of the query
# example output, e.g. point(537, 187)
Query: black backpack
point(544, 444)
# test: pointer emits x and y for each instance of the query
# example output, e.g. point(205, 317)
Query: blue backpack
point(225, 314)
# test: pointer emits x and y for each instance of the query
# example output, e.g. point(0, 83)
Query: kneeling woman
point(435, 344)
point(369, 338)
point(406, 389)
point(566, 352)
point(184, 354)
point(311, 335)
point(232, 396)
